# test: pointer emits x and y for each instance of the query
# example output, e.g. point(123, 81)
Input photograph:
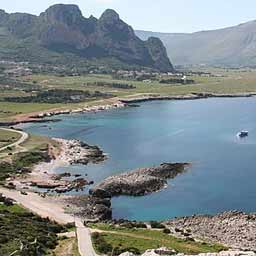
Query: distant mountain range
point(232, 46)
point(62, 35)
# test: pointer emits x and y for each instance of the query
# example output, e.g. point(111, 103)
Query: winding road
point(22, 139)
point(49, 208)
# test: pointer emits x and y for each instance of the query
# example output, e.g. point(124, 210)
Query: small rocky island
point(139, 182)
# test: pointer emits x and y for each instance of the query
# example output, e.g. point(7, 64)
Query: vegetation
point(58, 96)
point(20, 164)
point(26, 233)
point(8, 137)
point(113, 85)
point(19, 161)
point(156, 225)
point(176, 81)
point(116, 240)
point(66, 247)
point(211, 80)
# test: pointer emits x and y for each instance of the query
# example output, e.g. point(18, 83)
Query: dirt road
point(23, 138)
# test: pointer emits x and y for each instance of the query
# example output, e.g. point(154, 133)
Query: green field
point(66, 247)
point(121, 239)
point(230, 82)
point(224, 81)
point(8, 137)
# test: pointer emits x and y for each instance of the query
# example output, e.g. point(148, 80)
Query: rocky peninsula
point(139, 182)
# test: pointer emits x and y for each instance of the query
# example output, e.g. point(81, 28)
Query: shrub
point(167, 231)
point(36, 234)
point(157, 225)
point(100, 244)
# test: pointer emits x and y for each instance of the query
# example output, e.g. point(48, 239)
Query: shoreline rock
point(138, 182)
point(192, 96)
point(90, 208)
point(78, 152)
point(72, 152)
point(167, 251)
point(120, 103)
point(234, 229)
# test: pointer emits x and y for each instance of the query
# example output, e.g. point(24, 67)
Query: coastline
point(116, 103)
point(220, 228)
point(43, 175)
point(192, 96)
point(64, 160)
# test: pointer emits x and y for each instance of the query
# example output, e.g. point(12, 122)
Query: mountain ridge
point(232, 46)
point(63, 30)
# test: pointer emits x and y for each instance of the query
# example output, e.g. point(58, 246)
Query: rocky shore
point(90, 208)
point(139, 182)
point(43, 117)
point(166, 251)
point(233, 229)
point(92, 109)
point(192, 96)
point(43, 176)
point(78, 152)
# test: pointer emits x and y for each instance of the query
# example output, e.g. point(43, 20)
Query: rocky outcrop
point(78, 152)
point(63, 29)
point(90, 208)
point(158, 53)
point(139, 182)
point(234, 229)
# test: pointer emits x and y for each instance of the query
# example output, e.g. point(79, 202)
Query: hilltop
point(61, 34)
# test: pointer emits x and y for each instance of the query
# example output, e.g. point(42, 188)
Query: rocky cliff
point(62, 29)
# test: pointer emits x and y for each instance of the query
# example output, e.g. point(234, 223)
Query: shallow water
point(203, 132)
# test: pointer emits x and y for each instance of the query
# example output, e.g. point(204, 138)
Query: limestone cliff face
point(63, 28)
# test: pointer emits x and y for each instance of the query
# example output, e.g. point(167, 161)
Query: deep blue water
point(203, 132)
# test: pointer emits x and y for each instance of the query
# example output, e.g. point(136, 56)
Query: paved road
point(84, 239)
point(23, 138)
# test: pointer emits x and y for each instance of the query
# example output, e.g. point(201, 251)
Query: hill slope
point(62, 34)
point(233, 46)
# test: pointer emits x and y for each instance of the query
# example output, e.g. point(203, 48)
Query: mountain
point(61, 34)
point(232, 46)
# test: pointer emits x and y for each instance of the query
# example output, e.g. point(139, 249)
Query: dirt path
point(47, 207)
point(23, 138)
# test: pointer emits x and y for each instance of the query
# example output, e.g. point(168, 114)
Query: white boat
point(243, 134)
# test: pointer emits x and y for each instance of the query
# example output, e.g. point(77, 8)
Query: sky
point(155, 15)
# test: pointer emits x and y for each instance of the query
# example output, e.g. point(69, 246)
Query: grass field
point(8, 137)
point(8, 110)
point(229, 82)
point(143, 239)
point(66, 247)
point(224, 81)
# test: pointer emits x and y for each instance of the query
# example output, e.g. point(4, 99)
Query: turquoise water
point(203, 132)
